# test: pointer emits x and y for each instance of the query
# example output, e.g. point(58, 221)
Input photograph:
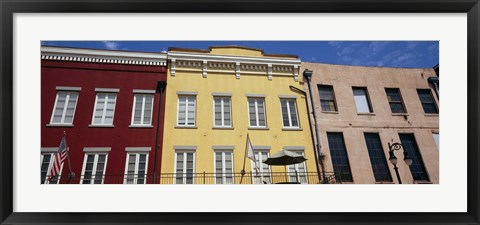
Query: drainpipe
point(160, 89)
point(311, 131)
point(308, 75)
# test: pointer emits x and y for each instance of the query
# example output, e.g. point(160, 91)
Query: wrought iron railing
point(208, 178)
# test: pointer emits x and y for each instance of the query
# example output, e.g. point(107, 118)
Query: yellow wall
point(204, 136)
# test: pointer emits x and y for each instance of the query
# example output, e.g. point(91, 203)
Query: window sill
point(258, 128)
point(385, 182)
point(292, 129)
point(431, 115)
point(400, 114)
point(366, 114)
point(140, 126)
point(330, 112)
point(186, 127)
point(422, 182)
point(99, 125)
point(222, 128)
point(59, 125)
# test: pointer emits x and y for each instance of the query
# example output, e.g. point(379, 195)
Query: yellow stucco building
point(215, 98)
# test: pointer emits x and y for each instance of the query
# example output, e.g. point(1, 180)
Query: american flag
point(59, 158)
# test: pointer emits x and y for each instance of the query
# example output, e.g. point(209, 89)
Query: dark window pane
point(377, 158)
point(338, 152)
point(395, 100)
point(427, 101)
point(327, 99)
point(417, 168)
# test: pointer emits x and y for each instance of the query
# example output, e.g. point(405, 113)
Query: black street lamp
point(395, 147)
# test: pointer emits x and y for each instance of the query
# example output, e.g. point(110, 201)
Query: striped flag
point(59, 157)
point(251, 154)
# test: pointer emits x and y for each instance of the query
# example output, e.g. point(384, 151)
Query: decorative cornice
point(103, 56)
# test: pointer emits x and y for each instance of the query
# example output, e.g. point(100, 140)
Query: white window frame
point(64, 113)
point(257, 118)
point(104, 109)
point(222, 112)
point(288, 101)
point(95, 163)
point(50, 164)
point(186, 111)
point(296, 168)
point(224, 178)
point(142, 116)
point(367, 100)
point(260, 176)
point(137, 163)
point(184, 169)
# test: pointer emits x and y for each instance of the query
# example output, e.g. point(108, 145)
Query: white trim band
point(185, 147)
point(138, 149)
point(140, 91)
point(107, 90)
point(223, 147)
point(97, 149)
point(63, 88)
point(187, 93)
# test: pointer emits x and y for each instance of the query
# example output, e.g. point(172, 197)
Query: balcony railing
point(208, 178)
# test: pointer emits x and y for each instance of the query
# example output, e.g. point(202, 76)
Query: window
point(94, 168)
point(256, 112)
point(142, 110)
point(222, 113)
point(289, 113)
point(417, 168)
point(338, 152)
point(104, 109)
point(298, 172)
point(361, 100)
point(395, 100)
point(263, 175)
point(427, 101)
point(46, 160)
point(377, 158)
point(327, 98)
point(436, 137)
point(186, 110)
point(136, 168)
point(184, 167)
point(64, 108)
point(224, 167)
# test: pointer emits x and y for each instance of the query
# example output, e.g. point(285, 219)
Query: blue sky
point(413, 54)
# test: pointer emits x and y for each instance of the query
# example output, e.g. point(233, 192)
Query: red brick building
point(110, 105)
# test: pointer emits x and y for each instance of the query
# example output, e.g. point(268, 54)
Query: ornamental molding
point(236, 65)
point(103, 56)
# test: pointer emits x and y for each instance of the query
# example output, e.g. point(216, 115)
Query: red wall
point(89, 76)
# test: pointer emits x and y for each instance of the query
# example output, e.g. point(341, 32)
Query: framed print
point(193, 112)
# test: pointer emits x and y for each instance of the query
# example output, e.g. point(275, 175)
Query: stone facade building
point(361, 110)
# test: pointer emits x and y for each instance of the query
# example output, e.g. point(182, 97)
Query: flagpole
point(71, 174)
point(244, 159)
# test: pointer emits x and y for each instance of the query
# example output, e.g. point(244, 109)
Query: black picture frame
point(10, 7)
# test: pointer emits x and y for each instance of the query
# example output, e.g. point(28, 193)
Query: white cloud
point(112, 45)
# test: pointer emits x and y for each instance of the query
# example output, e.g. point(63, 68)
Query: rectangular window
point(222, 112)
point(64, 107)
point(427, 101)
point(262, 174)
point(436, 137)
point(289, 113)
point(186, 110)
point(298, 172)
point(184, 167)
point(94, 168)
point(361, 100)
point(417, 168)
point(224, 167)
point(46, 160)
point(136, 168)
point(338, 152)
point(256, 112)
point(327, 98)
point(377, 158)
point(104, 109)
point(142, 110)
point(395, 100)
